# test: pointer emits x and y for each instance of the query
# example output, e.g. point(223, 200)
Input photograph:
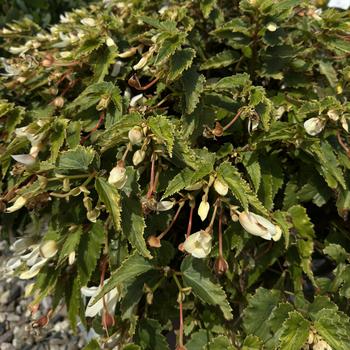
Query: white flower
point(314, 126)
point(116, 68)
point(138, 157)
point(203, 209)
point(128, 53)
point(135, 135)
point(136, 100)
point(220, 187)
point(88, 22)
point(321, 345)
point(341, 4)
point(118, 177)
point(25, 159)
point(33, 271)
point(198, 244)
point(259, 226)
point(18, 204)
point(271, 27)
point(164, 205)
point(111, 299)
point(141, 63)
point(344, 123)
point(110, 42)
point(71, 258)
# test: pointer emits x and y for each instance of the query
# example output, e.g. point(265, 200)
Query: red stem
point(233, 120)
point(220, 233)
point(151, 183)
point(189, 227)
point(181, 330)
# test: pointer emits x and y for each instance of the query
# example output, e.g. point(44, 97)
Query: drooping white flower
point(203, 209)
point(220, 187)
point(48, 249)
point(136, 100)
point(25, 159)
point(198, 244)
point(18, 204)
point(33, 271)
point(117, 176)
point(259, 226)
point(164, 205)
point(88, 21)
point(135, 135)
point(314, 126)
point(341, 4)
point(116, 68)
point(111, 299)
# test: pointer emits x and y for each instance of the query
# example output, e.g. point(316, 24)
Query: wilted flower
point(198, 244)
point(135, 135)
point(220, 187)
point(154, 241)
point(111, 298)
point(203, 209)
point(138, 157)
point(220, 265)
point(259, 226)
point(314, 126)
point(117, 176)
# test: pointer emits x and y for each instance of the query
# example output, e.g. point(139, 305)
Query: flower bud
point(220, 266)
point(88, 22)
point(138, 157)
point(48, 61)
point(58, 102)
point(128, 53)
point(48, 249)
point(110, 42)
point(314, 126)
point(71, 258)
point(344, 123)
point(271, 27)
point(220, 187)
point(332, 114)
point(141, 63)
point(218, 130)
point(108, 320)
point(25, 159)
point(153, 241)
point(117, 176)
point(135, 135)
point(203, 209)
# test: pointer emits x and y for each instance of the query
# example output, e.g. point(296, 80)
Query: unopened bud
point(117, 176)
point(71, 258)
point(220, 266)
point(203, 210)
point(220, 187)
point(48, 249)
point(108, 320)
point(135, 135)
point(58, 102)
point(154, 242)
point(138, 157)
point(218, 130)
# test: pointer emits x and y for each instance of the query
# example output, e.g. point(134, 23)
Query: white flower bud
point(71, 258)
point(118, 177)
point(136, 100)
point(128, 53)
point(332, 114)
point(164, 205)
point(220, 187)
point(259, 226)
point(344, 123)
point(33, 271)
point(18, 204)
point(116, 68)
point(141, 63)
point(110, 42)
point(314, 126)
point(25, 159)
point(138, 157)
point(271, 27)
point(203, 209)
point(135, 135)
point(321, 345)
point(48, 249)
point(198, 244)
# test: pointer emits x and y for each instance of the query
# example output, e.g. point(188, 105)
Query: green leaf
point(164, 130)
point(93, 345)
point(77, 159)
point(71, 242)
point(206, 7)
point(259, 309)
point(109, 195)
point(334, 327)
point(89, 251)
point(220, 60)
point(193, 85)
point(132, 347)
point(103, 60)
point(251, 163)
point(329, 72)
point(198, 340)
point(337, 253)
point(169, 46)
point(73, 301)
point(133, 224)
point(180, 61)
point(231, 82)
point(134, 265)
point(252, 342)
point(149, 335)
point(219, 343)
point(295, 331)
point(197, 276)
point(187, 177)
point(305, 243)
point(57, 137)
point(239, 187)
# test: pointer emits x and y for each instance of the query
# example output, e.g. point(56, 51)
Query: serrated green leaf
point(134, 265)
point(305, 243)
point(133, 224)
point(71, 243)
point(169, 47)
point(180, 61)
point(252, 342)
point(89, 251)
point(164, 130)
point(198, 340)
point(57, 137)
point(193, 85)
point(103, 60)
point(220, 342)
point(295, 331)
point(132, 347)
point(109, 195)
point(259, 309)
point(93, 345)
point(251, 163)
point(72, 294)
point(220, 60)
point(77, 159)
point(329, 72)
point(239, 187)
point(149, 335)
point(197, 276)
point(232, 82)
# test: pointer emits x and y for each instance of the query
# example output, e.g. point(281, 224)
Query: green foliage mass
point(182, 167)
